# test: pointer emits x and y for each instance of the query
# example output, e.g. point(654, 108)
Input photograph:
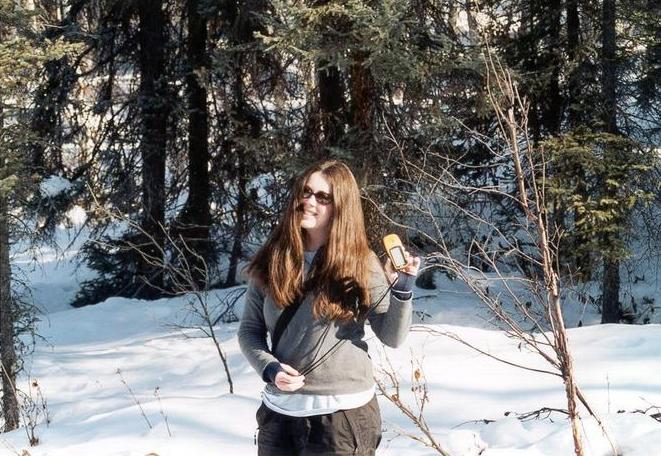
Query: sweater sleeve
point(252, 331)
point(391, 318)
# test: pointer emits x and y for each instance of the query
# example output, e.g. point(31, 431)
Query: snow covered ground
point(120, 378)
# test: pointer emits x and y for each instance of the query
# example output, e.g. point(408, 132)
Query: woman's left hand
point(411, 268)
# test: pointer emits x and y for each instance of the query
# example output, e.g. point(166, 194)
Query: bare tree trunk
point(332, 104)
point(611, 310)
point(566, 365)
point(558, 324)
point(154, 109)
point(8, 359)
point(552, 104)
point(331, 84)
point(534, 207)
point(363, 113)
point(439, 183)
point(575, 112)
point(239, 227)
point(652, 79)
point(552, 100)
point(7, 351)
point(609, 49)
point(573, 43)
point(195, 220)
point(533, 204)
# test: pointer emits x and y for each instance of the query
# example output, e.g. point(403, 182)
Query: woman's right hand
point(288, 379)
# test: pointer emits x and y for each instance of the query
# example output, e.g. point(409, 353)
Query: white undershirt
point(294, 404)
point(314, 404)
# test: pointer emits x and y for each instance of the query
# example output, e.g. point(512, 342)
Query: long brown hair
point(339, 277)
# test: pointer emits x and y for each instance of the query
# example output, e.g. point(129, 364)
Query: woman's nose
point(308, 201)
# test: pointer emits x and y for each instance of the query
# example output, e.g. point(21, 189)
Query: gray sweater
point(349, 368)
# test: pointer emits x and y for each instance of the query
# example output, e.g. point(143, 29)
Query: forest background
point(176, 126)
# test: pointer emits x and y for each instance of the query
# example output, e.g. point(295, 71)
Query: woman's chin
point(308, 225)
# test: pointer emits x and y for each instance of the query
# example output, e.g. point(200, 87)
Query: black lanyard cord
point(319, 361)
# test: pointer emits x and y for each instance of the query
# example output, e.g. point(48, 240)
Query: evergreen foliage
point(248, 93)
point(21, 58)
point(597, 178)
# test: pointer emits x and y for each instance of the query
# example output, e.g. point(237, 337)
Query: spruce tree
point(22, 56)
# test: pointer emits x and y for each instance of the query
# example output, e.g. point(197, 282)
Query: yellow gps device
point(395, 251)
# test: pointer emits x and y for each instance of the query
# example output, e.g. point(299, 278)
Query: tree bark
point(652, 80)
point(611, 311)
point(7, 315)
point(573, 28)
point(195, 220)
point(566, 367)
point(552, 101)
point(331, 104)
point(608, 62)
point(154, 110)
point(363, 113)
point(583, 264)
point(331, 90)
point(239, 227)
point(573, 43)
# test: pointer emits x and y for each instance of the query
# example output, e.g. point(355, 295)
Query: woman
point(317, 269)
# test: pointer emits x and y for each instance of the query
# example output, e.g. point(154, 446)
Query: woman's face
point(317, 204)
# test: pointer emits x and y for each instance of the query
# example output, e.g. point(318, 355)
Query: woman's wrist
point(271, 370)
point(403, 287)
point(404, 282)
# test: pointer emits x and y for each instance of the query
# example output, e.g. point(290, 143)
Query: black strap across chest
point(289, 312)
point(283, 320)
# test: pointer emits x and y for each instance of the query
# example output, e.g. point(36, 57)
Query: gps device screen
point(397, 254)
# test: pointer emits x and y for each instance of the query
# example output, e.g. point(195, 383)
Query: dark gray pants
point(345, 432)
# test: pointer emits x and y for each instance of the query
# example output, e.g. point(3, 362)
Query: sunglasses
point(322, 198)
